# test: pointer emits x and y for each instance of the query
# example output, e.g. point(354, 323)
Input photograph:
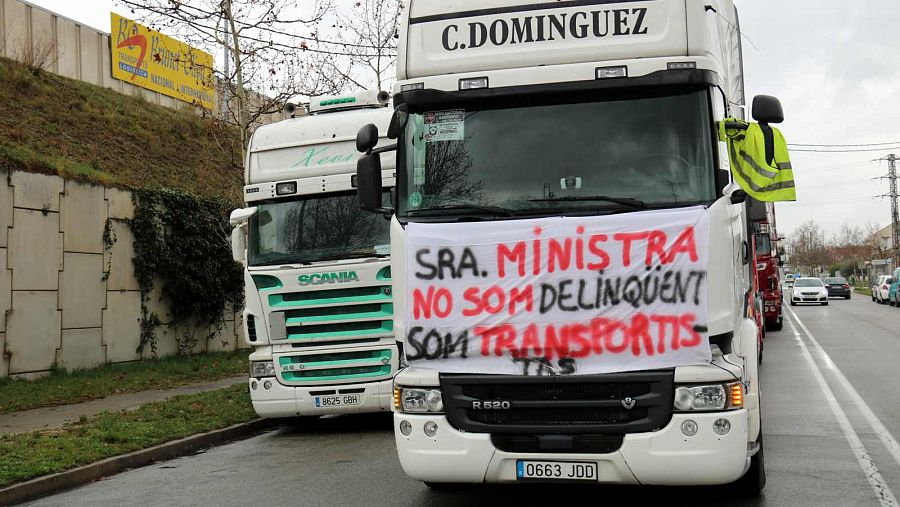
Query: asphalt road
point(825, 444)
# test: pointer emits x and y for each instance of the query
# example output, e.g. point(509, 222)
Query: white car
point(809, 290)
point(881, 289)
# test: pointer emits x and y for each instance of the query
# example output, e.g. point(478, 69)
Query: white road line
point(879, 486)
point(883, 434)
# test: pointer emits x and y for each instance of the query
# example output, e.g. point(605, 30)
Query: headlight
point(420, 401)
point(262, 369)
point(709, 398)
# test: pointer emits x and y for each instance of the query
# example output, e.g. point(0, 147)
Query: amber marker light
point(397, 398)
point(736, 395)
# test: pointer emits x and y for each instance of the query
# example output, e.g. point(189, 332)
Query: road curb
point(48, 484)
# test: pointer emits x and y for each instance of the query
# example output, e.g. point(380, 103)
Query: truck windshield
point(547, 158)
point(763, 245)
point(316, 228)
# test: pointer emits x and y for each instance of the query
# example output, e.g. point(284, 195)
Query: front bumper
point(664, 457)
point(803, 298)
point(284, 401)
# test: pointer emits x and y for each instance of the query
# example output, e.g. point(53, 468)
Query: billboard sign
point(151, 60)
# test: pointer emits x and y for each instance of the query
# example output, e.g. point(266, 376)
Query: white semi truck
point(319, 305)
point(535, 127)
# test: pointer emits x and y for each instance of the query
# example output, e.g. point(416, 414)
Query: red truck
point(762, 218)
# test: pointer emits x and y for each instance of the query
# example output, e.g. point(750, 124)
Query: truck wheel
point(778, 324)
point(753, 482)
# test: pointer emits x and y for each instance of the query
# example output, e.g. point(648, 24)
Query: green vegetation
point(80, 131)
point(182, 242)
point(109, 434)
point(863, 290)
point(60, 388)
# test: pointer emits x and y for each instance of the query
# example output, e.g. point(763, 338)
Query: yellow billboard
point(151, 60)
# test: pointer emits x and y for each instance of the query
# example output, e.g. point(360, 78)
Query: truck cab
point(527, 123)
point(317, 272)
point(762, 218)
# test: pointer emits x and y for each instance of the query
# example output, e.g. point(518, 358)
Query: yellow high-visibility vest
point(764, 176)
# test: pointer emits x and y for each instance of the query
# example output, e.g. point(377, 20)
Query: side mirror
point(239, 243)
point(738, 196)
point(368, 182)
point(241, 216)
point(367, 138)
point(398, 121)
point(767, 109)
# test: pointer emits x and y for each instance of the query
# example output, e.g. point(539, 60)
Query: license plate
point(556, 470)
point(340, 400)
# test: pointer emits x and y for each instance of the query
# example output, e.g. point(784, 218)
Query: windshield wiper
point(492, 210)
point(624, 201)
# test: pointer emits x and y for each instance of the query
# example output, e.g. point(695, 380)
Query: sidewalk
point(46, 418)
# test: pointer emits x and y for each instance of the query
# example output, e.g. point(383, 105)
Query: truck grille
point(347, 315)
point(578, 404)
point(335, 367)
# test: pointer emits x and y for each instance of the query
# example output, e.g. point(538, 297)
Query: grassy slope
point(52, 124)
point(30, 455)
point(61, 388)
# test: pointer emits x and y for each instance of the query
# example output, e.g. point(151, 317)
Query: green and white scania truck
point(319, 310)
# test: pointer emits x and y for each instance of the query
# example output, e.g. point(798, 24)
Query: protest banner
point(559, 295)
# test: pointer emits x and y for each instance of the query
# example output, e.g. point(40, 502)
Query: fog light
point(721, 426)
point(253, 385)
point(689, 428)
point(405, 428)
point(267, 384)
point(431, 428)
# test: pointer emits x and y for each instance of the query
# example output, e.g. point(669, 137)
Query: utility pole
point(895, 216)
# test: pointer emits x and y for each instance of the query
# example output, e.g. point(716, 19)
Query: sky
point(833, 64)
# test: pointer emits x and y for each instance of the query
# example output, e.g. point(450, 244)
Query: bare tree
point(370, 32)
point(271, 57)
point(36, 53)
point(808, 250)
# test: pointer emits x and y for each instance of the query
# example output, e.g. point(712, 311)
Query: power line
point(843, 145)
point(248, 25)
point(854, 150)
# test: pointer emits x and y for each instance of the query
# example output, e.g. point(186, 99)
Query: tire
point(778, 324)
point(873, 297)
point(793, 303)
point(848, 296)
point(825, 303)
point(753, 482)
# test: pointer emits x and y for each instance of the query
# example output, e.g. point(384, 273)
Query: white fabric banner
point(560, 295)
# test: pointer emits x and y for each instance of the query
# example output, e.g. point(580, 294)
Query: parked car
point(838, 287)
point(809, 290)
point(893, 296)
point(881, 288)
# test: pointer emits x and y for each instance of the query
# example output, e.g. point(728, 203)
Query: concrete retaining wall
point(67, 299)
point(82, 52)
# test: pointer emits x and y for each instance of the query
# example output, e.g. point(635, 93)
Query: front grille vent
point(251, 328)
